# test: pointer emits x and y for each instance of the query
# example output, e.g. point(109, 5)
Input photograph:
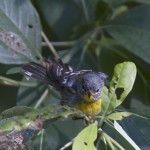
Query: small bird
point(79, 89)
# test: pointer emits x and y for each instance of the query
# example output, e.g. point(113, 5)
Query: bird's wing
point(52, 71)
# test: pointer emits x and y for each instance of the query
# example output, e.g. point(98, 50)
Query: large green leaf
point(121, 136)
point(59, 11)
point(85, 139)
point(121, 83)
point(120, 86)
point(138, 129)
point(132, 30)
point(19, 32)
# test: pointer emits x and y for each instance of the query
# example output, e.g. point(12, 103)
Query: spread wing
point(51, 71)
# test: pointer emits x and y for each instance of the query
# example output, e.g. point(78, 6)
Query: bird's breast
point(91, 109)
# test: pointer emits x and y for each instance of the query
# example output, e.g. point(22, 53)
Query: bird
point(80, 89)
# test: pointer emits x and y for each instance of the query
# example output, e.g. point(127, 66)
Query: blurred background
point(89, 34)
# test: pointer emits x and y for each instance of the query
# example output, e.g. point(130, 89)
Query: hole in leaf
point(114, 84)
point(85, 143)
point(119, 92)
point(30, 26)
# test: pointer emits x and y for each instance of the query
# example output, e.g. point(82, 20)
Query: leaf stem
point(44, 95)
point(103, 115)
point(50, 45)
point(41, 139)
point(12, 82)
point(61, 43)
point(85, 10)
point(67, 145)
point(113, 141)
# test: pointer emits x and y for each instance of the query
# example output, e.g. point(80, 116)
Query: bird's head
point(92, 84)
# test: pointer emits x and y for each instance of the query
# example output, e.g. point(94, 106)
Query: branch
point(12, 82)
point(61, 44)
point(67, 145)
point(44, 95)
point(50, 45)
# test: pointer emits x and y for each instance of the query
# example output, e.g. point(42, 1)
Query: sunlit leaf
point(105, 98)
point(85, 139)
point(121, 83)
point(118, 115)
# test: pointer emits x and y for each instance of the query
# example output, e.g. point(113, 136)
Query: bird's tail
point(51, 71)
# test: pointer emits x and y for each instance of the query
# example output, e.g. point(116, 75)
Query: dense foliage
point(110, 36)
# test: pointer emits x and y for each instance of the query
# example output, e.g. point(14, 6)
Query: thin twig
point(50, 45)
point(41, 139)
point(61, 44)
point(85, 10)
point(44, 95)
point(11, 82)
point(113, 141)
point(67, 145)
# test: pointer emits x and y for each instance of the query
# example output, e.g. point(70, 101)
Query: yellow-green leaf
point(85, 139)
point(118, 115)
point(121, 83)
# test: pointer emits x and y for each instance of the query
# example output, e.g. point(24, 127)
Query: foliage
point(87, 34)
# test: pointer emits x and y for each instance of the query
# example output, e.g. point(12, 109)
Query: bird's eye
point(83, 87)
point(97, 90)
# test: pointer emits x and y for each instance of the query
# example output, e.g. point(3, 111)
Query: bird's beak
point(89, 94)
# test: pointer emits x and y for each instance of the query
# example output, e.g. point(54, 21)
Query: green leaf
point(132, 30)
point(105, 99)
point(118, 115)
point(68, 10)
point(14, 70)
point(141, 112)
point(103, 12)
point(138, 129)
point(121, 83)
point(85, 139)
point(116, 3)
point(121, 138)
point(18, 31)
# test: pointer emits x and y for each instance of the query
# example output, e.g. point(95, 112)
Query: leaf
point(102, 12)
point(121, 83)
point(143, 112)
point(105, 98)
point(14, 70)
point(85, 139)
point(18, 31)
point(138, 129)
point(118, 115)
point(116, 3)
point(132, 30)
point(124, 137)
